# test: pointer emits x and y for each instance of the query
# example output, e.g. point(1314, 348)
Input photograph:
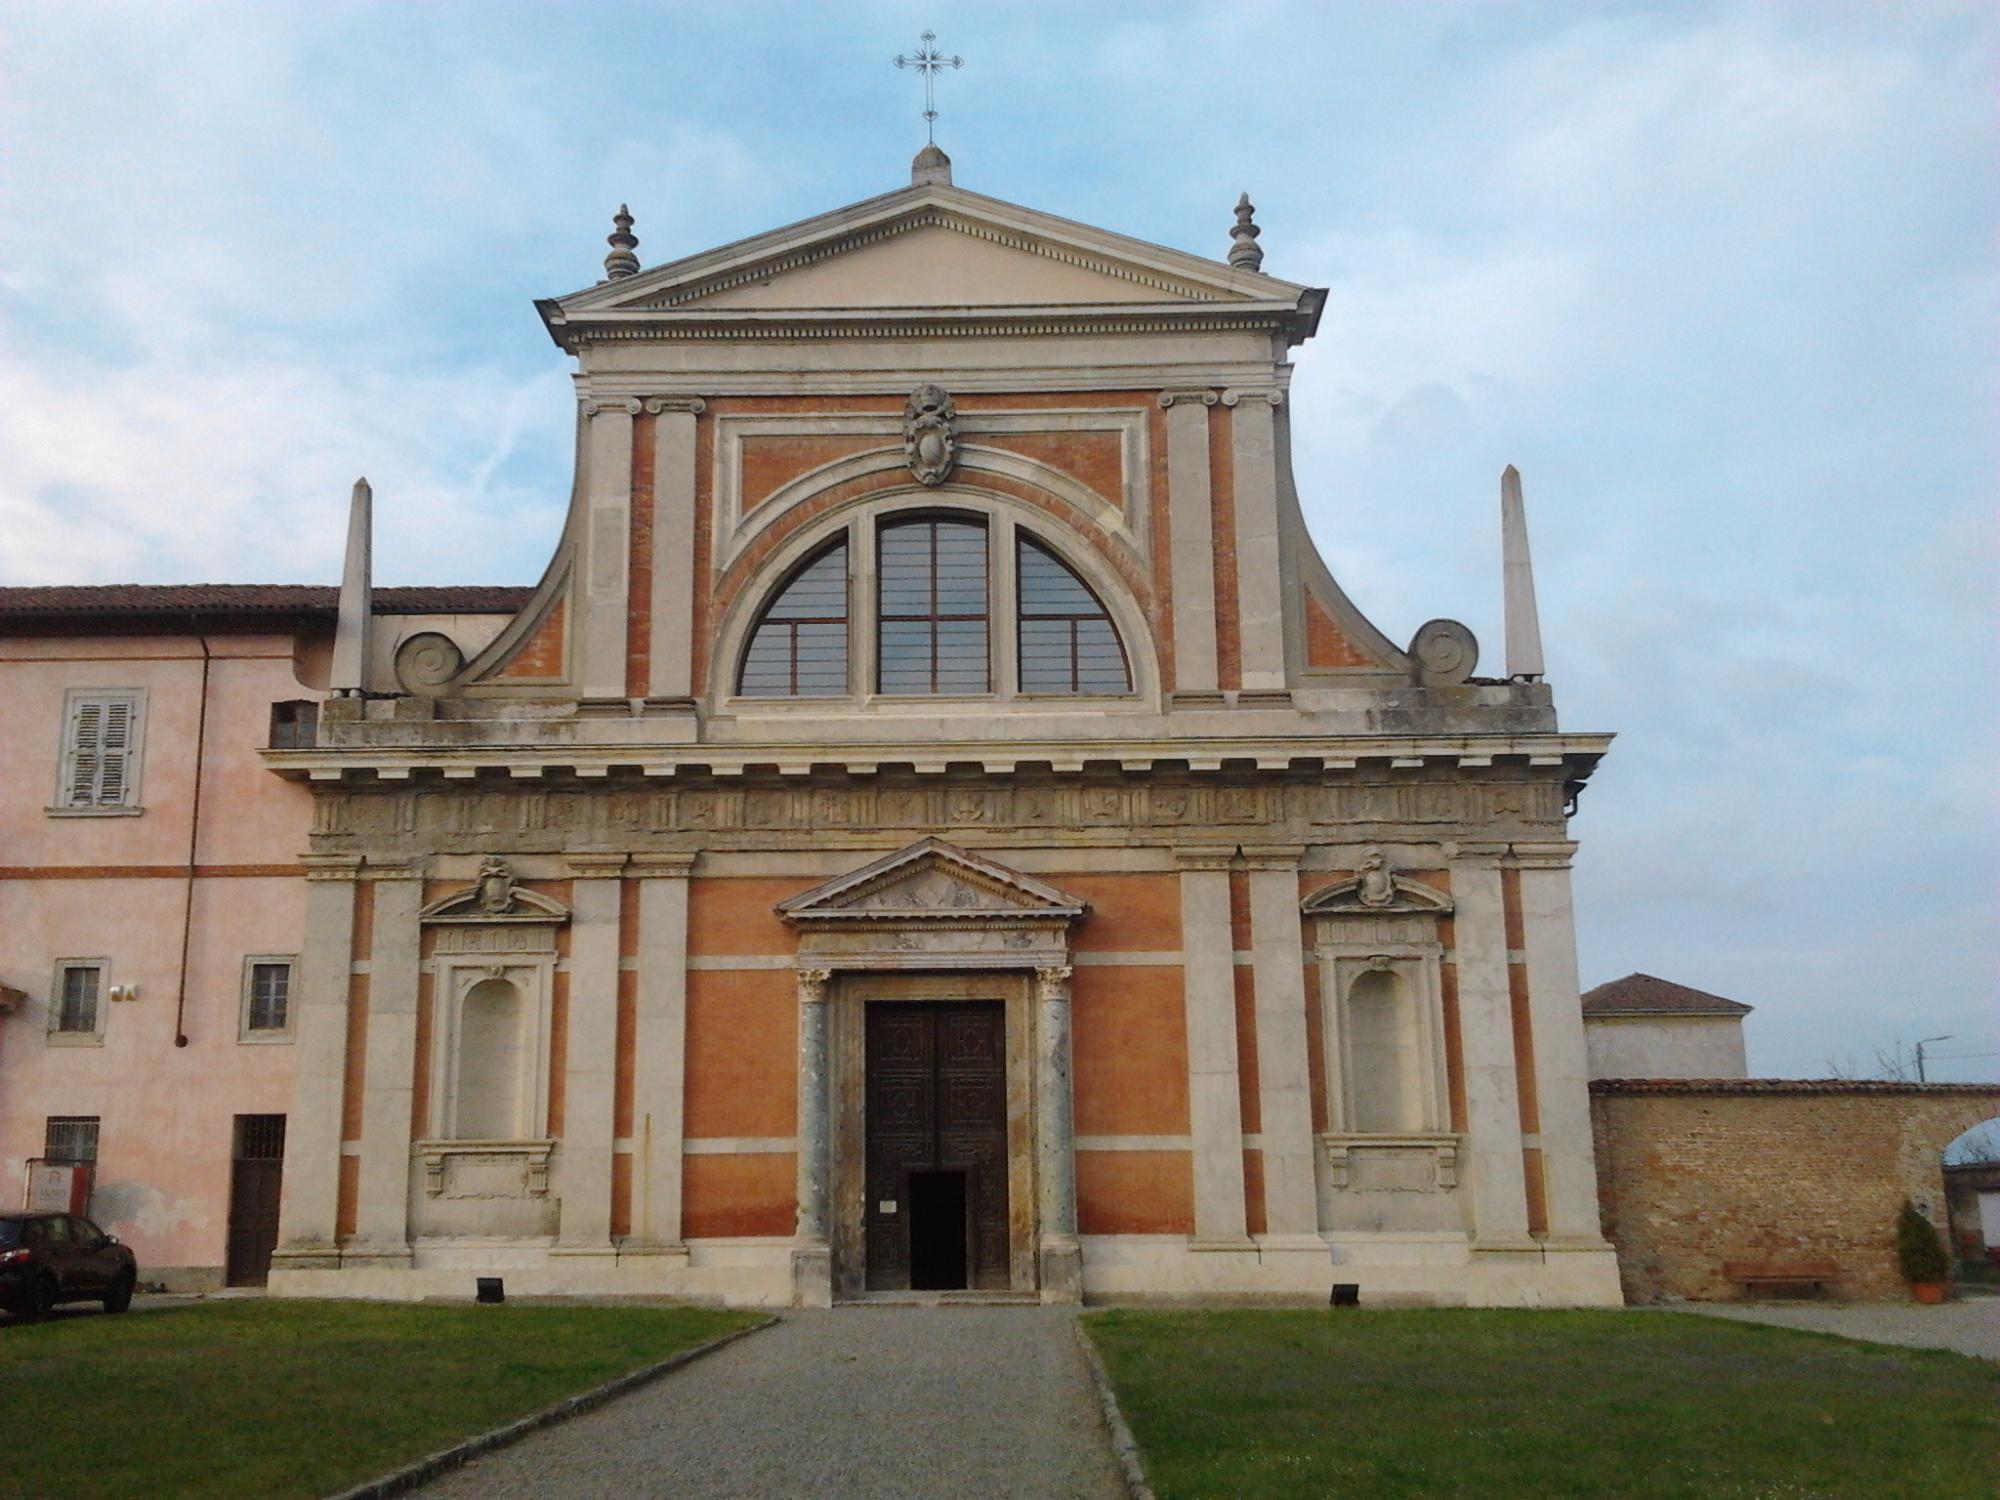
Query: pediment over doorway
point(933, 882)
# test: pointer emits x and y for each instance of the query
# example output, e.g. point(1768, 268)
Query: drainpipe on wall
point(194, 837)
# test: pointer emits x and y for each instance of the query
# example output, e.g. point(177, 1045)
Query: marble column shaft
point(660, 1049)
point(1215, 1106)
point(1055, 1125)
point(1562, 1067)
point(1191, 540)
point(307, 1214)
point(814, 1129)
point(1284, 1069)
point(1486, 1033)
point(590, 1072)
point(389, 1075)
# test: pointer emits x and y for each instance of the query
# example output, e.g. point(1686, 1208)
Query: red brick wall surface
point(1690, 1178)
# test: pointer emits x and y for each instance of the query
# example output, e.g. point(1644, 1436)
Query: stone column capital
point(813, 984)
point(1273, 856)
point(1475, 852)
point(595, 866)
point(1205, 857)
point(1554, 854)
point(692, 405)
point(622, 406)
point(669, 865)
point(1052, 982)
point(1169, 399)
point(413, 869)
point(331, 866)
point(1269, 394)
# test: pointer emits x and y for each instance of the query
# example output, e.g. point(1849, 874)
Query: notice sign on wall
point(58, 1187)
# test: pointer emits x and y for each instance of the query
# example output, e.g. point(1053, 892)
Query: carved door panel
point(936, 1100)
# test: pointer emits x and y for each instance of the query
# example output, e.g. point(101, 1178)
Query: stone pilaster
point(671, 643)
point(603, 564)
point(1055, 1138)
point(1191, 539)
point(1214, 1105)
point(1284, 1083)
point(1562, 1069)
point(812, 1256)
point(389, 1080)
point(591, 1069)
point(1260, 602)
point(659, 1052)
point(1486, 1034)
point(308, 1212)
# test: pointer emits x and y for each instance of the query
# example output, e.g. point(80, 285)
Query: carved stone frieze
point(709, 816)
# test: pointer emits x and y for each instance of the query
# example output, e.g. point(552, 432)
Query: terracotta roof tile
point(1643, 995)
point(80, 601)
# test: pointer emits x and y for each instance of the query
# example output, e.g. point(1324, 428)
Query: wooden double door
point(935, 1216)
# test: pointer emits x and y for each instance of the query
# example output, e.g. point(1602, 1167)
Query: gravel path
point(874, 1402)
point(1970, 1326)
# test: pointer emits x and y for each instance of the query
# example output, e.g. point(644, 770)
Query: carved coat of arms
point(930, 434)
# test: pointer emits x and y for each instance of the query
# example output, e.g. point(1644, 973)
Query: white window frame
point(128, 804)
point(95, 1036)
point(266, 1035)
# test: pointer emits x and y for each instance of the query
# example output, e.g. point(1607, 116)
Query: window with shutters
point(76, 1003)
point(267, 998)
point(799, 648)
point(1068, 644)
point(932, 630)
point(100, 751)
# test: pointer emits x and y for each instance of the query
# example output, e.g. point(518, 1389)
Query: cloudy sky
point(1720, 278)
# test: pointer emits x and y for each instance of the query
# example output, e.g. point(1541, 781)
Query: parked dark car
point(51, 1258)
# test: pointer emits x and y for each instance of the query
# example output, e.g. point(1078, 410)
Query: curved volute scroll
point(1443, 652)
point(1375, 887)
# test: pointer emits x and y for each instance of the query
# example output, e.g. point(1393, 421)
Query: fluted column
point(1055, 1138)
point(382, 1206)
point(812, 1257)
point(307, 1215)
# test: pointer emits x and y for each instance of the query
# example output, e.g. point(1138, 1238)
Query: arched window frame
point(860, 524)
point(839, 541)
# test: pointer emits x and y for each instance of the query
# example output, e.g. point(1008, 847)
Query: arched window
point(489, 1062)
point(1384, 1056)
point(799, 648)
point(1068, 643)
point(932, 597)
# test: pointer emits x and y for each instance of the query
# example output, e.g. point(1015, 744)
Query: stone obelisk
point(1524, 629)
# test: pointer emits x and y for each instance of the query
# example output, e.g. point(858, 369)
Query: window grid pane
point(932, 598)
point(799, 648)
point(270, 996)
point(1068, 643)
point(76, 1007)
point(70, 1138)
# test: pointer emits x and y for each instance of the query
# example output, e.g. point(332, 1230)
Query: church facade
point(937, 824)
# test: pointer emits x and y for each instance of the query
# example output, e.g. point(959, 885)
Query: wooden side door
point(256, 1181)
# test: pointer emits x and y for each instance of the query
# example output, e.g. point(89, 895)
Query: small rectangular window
point(77, 1006)
point(294, 724)
point(100, 751)
point(267, 997)
point(71, 1139)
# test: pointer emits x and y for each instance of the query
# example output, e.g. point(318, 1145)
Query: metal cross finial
point(929, 62)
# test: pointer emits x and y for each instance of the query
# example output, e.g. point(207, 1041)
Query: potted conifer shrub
point(1921, 1255)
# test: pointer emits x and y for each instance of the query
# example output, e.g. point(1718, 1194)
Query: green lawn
point(280, 1398)
point(1288, 1405)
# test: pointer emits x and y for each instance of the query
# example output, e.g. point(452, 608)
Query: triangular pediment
point(932, 880)
point(930, 248)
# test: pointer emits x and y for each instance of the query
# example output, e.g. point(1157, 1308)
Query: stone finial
point(930, 165)
point(1517, 576)
point(1245, 254)
point(621, 261)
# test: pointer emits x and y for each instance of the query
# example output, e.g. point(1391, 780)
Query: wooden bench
point(1816, 1274)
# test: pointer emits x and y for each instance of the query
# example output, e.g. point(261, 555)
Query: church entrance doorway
point(935, 1215)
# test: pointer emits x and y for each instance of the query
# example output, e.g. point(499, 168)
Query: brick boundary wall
point(1692, 1173)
